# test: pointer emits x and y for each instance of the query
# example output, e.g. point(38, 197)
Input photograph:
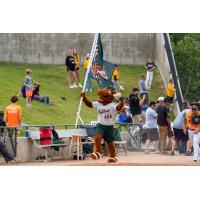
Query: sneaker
point(157, 152)
point(71, 86)
point(147, 152)
point(28, 105)
point(74, 85)
point(172, 153)
point(188, 153)
point(17, 160)
point(90, 89)
point(12, 162)
point(194, 160)
point(80, 85)
point(86, 90)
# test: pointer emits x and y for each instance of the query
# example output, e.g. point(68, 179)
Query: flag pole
point(92, 54)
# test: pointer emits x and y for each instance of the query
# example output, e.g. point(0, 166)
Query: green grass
point(53, 81)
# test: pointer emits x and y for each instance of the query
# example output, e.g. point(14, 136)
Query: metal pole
point(173, 70)
point(93, 50)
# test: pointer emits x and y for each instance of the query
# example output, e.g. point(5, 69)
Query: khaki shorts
point(136, 119)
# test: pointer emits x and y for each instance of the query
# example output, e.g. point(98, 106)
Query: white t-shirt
point(151, 118)
point(107, 113)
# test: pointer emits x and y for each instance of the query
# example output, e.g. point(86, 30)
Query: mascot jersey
point(107, 113)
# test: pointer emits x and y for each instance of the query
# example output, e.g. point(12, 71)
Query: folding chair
point(118, 141)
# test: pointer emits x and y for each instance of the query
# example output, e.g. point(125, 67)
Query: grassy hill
point(53, 81)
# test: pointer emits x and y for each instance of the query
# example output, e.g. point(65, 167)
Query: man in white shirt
point(152, 130)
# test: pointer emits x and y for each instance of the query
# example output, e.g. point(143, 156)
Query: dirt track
point(133, 159)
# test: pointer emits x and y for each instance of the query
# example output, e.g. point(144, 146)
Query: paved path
point(133, 159)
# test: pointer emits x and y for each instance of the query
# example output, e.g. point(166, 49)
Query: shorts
point(29, 93)
point(146, 99)
point(152, 134)
point(71, 68)
point(107, 132)
point(170, 133)
point(171, 99)
point(179, 135)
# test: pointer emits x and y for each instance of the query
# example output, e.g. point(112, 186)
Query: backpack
point(56, 140)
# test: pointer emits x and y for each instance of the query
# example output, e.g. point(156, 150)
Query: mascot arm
point(120, 105)
point(87, 102)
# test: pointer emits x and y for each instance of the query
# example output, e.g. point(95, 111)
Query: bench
point(62, 134)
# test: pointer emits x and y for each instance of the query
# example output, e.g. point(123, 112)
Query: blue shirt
point(178, 122)
point(151, 118)
point(142, 85)
point(28, 81)
point(122, 117)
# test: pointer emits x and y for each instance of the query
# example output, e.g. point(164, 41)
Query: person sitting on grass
point(36, 95)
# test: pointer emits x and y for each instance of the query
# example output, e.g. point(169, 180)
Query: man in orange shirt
point(13, 113)
point(192, 122)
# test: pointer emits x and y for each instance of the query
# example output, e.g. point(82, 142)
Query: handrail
point(53, 125)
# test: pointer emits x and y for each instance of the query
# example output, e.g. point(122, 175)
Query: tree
point(186, 48)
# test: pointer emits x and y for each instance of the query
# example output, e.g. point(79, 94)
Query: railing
point(12, 132)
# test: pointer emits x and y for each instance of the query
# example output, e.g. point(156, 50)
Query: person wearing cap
point(179, 135)
point(169, 108)
point(89, 79)
point(143, 89)
point(192, 123)
point(150, 67)
point(135, 106)
point(164, 123)
point(151, 124)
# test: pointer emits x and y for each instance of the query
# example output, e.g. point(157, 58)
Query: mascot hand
point(82, 94)
point(117, 96)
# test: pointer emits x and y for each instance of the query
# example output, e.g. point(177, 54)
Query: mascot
point(106, 118)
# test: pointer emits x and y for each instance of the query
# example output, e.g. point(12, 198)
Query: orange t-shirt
point(189, 120)
point(13, 115)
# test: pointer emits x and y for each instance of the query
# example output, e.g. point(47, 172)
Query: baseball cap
point(135, 89)
point(161, 99)
point(194, 106)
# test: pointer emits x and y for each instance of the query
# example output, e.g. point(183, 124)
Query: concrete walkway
point(133, 159)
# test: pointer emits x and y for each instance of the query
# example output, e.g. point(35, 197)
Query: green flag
point(101, 70)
